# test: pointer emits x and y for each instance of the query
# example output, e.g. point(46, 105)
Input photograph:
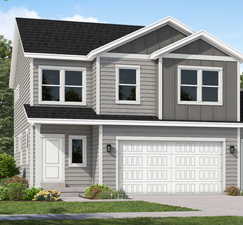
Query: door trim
point(62, 136)
point(183, 139)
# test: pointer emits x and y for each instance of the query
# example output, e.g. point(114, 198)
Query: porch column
point(100, 154)
point(38, 156)
point(32, 147)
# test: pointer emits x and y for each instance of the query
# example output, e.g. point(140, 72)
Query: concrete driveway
point(211, 205)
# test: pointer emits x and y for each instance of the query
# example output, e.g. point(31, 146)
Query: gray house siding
point(48, 62)
point(22, 78)
point(110, 133)
point(174, 111)
point(200, 47)
point(148, 87)
point(151, 42)
point(75, 177)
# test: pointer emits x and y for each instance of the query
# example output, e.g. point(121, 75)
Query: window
point(200, 85)
point(77, 151)
point(62, 85)
point(127, 84)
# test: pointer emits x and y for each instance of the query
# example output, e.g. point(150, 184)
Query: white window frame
point(27, 146)
point(199, 85)
point(137, 85)
point(84, 148)
point(62, 85)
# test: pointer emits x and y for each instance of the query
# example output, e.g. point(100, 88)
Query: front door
point(53, 158)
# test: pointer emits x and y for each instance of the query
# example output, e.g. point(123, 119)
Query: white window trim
point(137, 68)
point(84, 142)
point(199, 85)
point(62, 85)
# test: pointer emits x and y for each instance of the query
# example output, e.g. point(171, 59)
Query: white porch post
point(100, 154)
point(38, 156)
point(31, 164)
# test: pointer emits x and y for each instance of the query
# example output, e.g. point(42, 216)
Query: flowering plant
point(47, 195)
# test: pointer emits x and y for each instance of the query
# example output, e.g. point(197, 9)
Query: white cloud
point(8, 17)
point(79, 18)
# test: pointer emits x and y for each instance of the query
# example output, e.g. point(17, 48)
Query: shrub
point(96, 191)
point(120, 194)
point(16, 191)
point(30, 193)
point(47, 195)
point(232, 190)
point(7, 166)
point(3, 193)
point(15, 179)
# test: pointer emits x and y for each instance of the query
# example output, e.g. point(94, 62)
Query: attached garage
point(171, 165)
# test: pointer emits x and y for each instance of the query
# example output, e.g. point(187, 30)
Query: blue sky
point(221, 18)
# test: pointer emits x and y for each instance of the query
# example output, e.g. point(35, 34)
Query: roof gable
point(151, 42)
point(200, 47)
point(196, 36)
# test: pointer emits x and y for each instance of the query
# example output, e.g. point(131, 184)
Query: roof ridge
point(84, 22)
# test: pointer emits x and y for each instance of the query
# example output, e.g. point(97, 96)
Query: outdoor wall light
point(232, 149)
point(108, 148)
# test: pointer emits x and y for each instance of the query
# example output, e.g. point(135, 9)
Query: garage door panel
point(171, 167)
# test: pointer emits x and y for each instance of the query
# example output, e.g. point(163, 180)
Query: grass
point(136, 221)
point(32, 207)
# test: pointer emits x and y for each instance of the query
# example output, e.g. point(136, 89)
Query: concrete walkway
point(217, 205)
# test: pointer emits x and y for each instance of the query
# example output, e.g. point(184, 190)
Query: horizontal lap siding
point(63, 63)
point(20, 121)
point(174, 111)
point(80, 177)
point(148, 87)
point(110, 133)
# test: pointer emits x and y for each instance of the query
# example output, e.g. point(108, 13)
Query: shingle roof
point(66, 37)
point(55, 112)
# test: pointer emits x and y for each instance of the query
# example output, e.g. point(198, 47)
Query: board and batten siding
point(148, 87)
point(65, 63)
point(22, 79)
point(151, 42)
point(77, 176)
point(200, 47)
point(110, 133)
point(174, 111)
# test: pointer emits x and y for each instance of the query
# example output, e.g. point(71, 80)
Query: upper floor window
point(200, 85)
point(60, 85)
point(127, 84)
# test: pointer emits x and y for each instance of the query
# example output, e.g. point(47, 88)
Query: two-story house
point(146, 109)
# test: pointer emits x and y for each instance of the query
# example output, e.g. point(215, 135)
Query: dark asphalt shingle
point(67, 37)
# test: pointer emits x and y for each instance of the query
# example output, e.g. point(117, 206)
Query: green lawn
point(32, 207)
point(136, 221)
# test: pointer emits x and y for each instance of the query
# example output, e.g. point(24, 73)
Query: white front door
point(53, 158)
point(171, 166)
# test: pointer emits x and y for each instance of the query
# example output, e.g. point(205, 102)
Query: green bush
point(15, 179)
point(120, 194)
point(7, 166)
point(232, 190)
point(3, 193)
point(30, 193)
point(16, 191)
point(48, 195)
point(96, 191)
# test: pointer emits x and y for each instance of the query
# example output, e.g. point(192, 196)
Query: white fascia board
point(133, 123)
point(138, 33)
point(198, 35)
point(56, 56)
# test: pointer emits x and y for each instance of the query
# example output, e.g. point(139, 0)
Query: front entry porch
point(66, 157)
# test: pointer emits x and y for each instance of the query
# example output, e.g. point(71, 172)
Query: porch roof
point(71, 112)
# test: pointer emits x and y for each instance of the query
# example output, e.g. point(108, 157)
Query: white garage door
point(170, 167)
